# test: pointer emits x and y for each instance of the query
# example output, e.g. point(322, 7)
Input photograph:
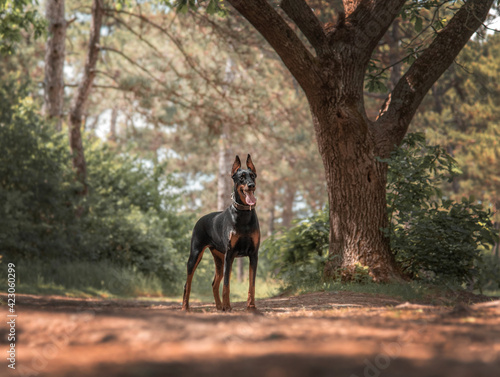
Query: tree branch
point(402, 103)
point(304, 18)
point(297, 58)
point(369, 20)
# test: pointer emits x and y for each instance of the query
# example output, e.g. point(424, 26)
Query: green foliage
point(132, 214)
point(375, 77)
point(14, 18)
point(298, 255)
point(489, 276)
point(212, 6)
point(129, 218)
point(432, 237)
point(81, 278)
point(36, 188)
point(462, 112)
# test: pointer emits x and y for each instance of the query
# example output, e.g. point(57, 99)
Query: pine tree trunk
point(223, 180)
point(272, 211)
point(287, 214)
point(224, 187)
point(112, 125)
point(54, 61)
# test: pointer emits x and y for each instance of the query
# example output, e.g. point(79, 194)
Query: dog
point(232, 233)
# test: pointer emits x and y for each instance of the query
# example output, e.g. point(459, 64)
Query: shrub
point(298, 255)
point(433, 238)
point(130, 217)
point(36, 185)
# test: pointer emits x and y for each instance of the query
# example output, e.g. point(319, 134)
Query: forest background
point(165, 100)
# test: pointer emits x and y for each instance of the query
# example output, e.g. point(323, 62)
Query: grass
point(407, 291)
point(103, 279)
point(201, 289)
point(264, 288)
point(493, 293)
point(412, 291)
point(83, 279)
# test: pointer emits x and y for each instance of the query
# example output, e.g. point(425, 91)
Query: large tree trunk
point(54, 61)
point(356, 184)
point(81, 96)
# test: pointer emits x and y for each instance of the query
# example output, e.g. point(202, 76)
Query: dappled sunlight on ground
point(316, 334)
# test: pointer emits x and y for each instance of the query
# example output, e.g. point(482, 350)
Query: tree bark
point(81, 96)
point(356, 184)
point(54, 61)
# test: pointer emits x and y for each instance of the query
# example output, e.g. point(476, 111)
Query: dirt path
point(319, 334)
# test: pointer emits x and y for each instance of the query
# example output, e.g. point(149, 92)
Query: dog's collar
point(241, 207)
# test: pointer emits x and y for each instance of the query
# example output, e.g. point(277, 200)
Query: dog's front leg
point(228, 263)
point(252, 272)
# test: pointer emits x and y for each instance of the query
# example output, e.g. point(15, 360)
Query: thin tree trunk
point(287, 214)
point(81, 96)
point(112, 125)
point(224, 188)
point(54, 61)
point(272, 211)
point(224, 184)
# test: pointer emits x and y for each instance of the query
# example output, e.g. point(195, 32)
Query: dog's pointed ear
point(250, 165)
point(236, 165)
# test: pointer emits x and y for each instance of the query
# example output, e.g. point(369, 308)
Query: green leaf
point(182, 6)
point(418, 24)
point(212, 7)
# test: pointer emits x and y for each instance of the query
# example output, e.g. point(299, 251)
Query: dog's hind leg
point(193, 261)
point(219, 266)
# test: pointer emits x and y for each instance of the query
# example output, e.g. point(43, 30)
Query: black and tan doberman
point(229, 234)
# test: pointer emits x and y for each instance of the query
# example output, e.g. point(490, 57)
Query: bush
point(129, 218)
point(132, 215)
point(36, 186)
point(433, 238)
point(298, 255)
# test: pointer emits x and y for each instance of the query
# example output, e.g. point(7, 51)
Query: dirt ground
point(319, 334)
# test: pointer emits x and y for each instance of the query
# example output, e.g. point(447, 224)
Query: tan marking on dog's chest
point(255, 238)
point(233, 239)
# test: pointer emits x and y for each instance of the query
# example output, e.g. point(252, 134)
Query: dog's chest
point(244, 238)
